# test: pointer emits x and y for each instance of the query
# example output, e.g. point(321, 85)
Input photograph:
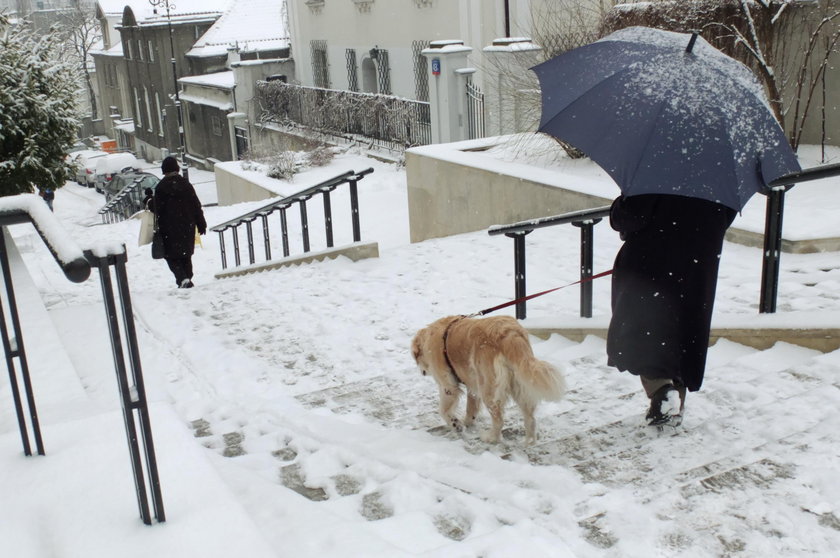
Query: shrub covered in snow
point(38, 114)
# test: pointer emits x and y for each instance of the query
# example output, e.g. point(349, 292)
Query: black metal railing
point(586, 219)
point(280, 207)
point(76, 266)
point(123, 204)
point(773, 230)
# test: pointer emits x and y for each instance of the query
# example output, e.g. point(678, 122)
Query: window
point(151, 52)
point(352, 70)
point(140, 50)
point(137, 120)
point(242, 141)
point(148, 109)
point(160, 114)
point(129, 54)
point(216, 124)
point(320, 69)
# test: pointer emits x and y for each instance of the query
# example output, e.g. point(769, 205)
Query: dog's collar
point(446, 352)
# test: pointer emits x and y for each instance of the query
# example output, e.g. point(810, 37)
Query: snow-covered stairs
point(744, 437)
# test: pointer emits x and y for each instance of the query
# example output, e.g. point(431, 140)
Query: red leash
point(535, 295)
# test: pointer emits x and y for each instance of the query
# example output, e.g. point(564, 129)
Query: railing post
point(235, 230)
point(266, 240)
point(222, 249)
point(772, 250)
point(285, 232)
point(14, 348)
point(328, 218)
point(250, 236)
point(132, 395)
point(304, 224)
point(519, 271)
point(354, 209)
point(587, 237)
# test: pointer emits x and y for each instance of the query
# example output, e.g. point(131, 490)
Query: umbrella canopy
point(661, 119)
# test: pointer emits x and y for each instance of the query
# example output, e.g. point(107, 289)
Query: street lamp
point(182, 149)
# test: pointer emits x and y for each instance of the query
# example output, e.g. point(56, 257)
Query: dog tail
point(541, 380)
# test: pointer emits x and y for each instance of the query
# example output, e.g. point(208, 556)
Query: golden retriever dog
point(492, 358)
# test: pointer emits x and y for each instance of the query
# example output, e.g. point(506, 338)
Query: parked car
point(85, 163)
point(110, 165)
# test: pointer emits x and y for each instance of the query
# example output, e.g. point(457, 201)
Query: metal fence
point(389, 122)
point(475, 111)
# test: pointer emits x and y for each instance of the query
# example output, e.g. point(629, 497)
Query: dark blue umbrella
point(662, 118)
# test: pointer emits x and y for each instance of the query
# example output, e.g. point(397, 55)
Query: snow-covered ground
point(290, 420)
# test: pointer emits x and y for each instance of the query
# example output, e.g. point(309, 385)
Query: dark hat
point(170, 164)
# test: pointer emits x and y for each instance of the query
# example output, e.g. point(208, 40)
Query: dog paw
point(530, 440)
point(490, 437)
point(456, 424)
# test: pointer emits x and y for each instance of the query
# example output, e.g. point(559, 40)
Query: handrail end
point(77, 271)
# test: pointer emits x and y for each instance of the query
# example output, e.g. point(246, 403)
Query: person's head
point(170, 164)
point(148, 191)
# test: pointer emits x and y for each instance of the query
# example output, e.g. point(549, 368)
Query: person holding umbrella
point(178, 213)
point(687, 134)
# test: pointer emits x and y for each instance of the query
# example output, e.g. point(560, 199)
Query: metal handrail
point(585, 219)
point(774, 213)
point(77, 269)
point(324, 188)
point(77, 266)
point(806, 175)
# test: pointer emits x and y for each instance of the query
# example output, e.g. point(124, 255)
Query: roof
point(250, 25)
point(223, 80)
point(146, 14)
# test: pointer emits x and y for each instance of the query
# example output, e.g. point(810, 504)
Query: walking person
point(49, 195)
point(178, 213)
point(663, 292)
point(149, 200)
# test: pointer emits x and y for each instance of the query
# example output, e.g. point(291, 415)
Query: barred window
point(320, 68)
point(383, 71)
point(352, 70)
point(421, 70)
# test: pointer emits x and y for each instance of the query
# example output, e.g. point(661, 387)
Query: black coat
point(178, 213)
point(663, 285)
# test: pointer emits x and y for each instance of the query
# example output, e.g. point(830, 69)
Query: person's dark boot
point(666, 406)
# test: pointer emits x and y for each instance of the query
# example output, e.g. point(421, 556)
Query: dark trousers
point(181, 268)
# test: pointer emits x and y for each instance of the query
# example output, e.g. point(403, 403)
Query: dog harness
point(446, 352)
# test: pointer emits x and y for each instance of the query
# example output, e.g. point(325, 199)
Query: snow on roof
point(252, 25)
point(199, 100)
point(116, 50)
point(145, 13)
point(219, 79)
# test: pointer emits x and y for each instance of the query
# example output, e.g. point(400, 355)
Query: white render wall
point(393, 25)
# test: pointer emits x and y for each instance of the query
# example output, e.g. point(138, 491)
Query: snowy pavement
point(289, 400)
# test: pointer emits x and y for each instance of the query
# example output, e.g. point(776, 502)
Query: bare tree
point(786, 43)
point(80, 33)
